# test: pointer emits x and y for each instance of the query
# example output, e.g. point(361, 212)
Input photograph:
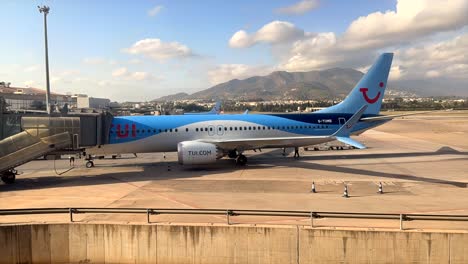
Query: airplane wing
point(390, 117)
point(252, 143)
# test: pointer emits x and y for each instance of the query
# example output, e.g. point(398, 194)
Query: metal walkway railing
point(234, 212)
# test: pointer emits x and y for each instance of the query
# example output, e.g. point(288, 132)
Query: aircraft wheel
point(232, 154)
point(114, 156)
point(89, 164)
point(9, 177)
point(241, 160)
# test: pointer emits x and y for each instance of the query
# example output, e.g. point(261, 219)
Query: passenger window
point(245, 128)
point(225, 128)
point(219, 128)
point(138, 130)
point(176, 130)
point(230, 128)
point(196, 129)
point(186, 130)
point(206, 129)
point(165, 130)
point(160, 130)
point(253, 128)
point(240, 128)
point(170, 130)
point(211, 129)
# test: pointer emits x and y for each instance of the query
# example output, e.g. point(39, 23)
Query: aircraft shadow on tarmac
point(167, 170)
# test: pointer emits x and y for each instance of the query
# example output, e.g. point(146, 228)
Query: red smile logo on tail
point(367, 98)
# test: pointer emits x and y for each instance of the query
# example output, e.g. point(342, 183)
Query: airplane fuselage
point(144, 134)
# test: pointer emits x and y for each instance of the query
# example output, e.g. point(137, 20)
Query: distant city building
point(83, 101)
point(18, 98)
point(21, 99)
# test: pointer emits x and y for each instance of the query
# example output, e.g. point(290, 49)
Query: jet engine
point(194, 153)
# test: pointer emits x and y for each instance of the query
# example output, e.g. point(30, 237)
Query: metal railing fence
point(229, 213)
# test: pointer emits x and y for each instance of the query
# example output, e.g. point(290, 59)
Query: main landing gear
point(241, 160)
point(238, 156)
point(9, 177)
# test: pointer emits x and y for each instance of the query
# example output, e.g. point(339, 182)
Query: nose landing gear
point(89, 162)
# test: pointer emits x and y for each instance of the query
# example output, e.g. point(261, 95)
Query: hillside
point(326, 84)
point(285, 85)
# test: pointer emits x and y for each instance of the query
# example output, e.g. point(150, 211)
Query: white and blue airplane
point(216, 110)
point(203, 139)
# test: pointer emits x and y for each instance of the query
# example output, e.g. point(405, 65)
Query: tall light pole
point(45, 11)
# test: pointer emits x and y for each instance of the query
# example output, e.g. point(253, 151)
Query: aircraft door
point(220, 130)
point(342, 121)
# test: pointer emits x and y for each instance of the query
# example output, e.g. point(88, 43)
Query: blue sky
point(140, 50)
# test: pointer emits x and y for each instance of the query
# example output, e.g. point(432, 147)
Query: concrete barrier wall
point(109, 243)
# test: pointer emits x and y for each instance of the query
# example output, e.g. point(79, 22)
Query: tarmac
point(421, 161)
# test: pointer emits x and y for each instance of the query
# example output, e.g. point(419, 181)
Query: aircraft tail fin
point(369, 90)
point(216, 108)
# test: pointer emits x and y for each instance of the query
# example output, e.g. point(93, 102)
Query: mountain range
point(325, 84)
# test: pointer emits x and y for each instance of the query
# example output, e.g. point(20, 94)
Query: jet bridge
point(41, 136)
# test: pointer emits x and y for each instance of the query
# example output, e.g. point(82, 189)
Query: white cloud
point(32, 68)
point(397, 72)
point(155, 10)
point(432, 74)
point(159, 50)
point(445, 58)
point(299, 8)
point(140, 76)
point(124, 74)
point(314, 52)
point(274, 32)
point(411, 20)
point(240, 39)
point(120, 72)
point(226, 72)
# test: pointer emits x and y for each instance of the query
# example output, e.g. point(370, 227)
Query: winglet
point(352, 142)
point(345, 130)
